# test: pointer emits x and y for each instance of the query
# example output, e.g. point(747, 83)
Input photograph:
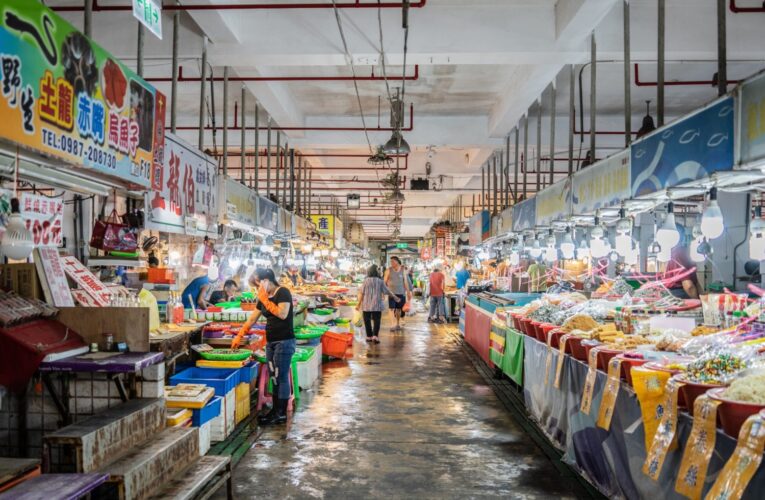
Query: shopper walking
point(275, 303)
point(436, 284)
point(371, 302)
point(397, 281)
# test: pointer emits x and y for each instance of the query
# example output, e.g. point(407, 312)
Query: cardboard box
point(22, 279)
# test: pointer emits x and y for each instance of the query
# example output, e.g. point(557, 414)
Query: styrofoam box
point(309, 371)
point(204, 432)
point(223, 424)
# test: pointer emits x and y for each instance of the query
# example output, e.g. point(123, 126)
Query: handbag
point(112, 235)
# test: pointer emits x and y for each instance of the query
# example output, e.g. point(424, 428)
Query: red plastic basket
point(337, 345)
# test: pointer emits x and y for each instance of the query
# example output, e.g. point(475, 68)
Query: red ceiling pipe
point(322, 129)
point(676, 83)
point(356, 4)
point(372, 78)
point(743, 10)
point(360, 168)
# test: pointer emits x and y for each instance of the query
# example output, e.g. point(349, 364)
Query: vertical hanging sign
point(149, 13)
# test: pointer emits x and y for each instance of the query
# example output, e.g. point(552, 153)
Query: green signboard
point(66, 97)
point(149, 13)
point(402, 245)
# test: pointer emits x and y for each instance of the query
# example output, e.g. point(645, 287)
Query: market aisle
point(410, 418)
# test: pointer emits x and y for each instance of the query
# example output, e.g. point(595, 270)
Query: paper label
point(744, 462)
point(664, 439)
point(589, 382)
point(611, 391)
point(698, 449)
point(561, 358)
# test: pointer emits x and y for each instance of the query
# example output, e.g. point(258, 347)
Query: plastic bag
point(358, 319)
point(359, 334)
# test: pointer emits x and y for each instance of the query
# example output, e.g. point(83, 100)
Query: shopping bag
point(359, 334)
point(407, 307)
point(111, 235)
point(358, 319)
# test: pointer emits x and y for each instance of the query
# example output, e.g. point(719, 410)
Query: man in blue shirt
point(196, 291)
point(462, 276)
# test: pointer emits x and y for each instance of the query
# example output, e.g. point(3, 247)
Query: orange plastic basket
point(337, 345)
point(161, 275)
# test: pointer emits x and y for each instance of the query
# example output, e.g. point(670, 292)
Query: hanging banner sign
point(149, 13)
point(752, 118)
point(241, 203)
point(525, 215)
point(268, 214)
point(66, 97)
point(44, 217)
point(505, 222)
point(688, 150)
point(601, 185)
point(553, 203)
point(479, 227)
point(52, 277)
point(184, 197)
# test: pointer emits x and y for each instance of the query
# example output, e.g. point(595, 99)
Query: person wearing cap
point(275, 303)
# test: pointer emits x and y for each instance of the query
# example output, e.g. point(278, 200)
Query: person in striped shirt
point(372, 302)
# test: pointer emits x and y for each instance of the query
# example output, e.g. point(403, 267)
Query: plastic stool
point(264, 387)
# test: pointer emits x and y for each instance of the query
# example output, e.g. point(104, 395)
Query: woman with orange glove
point(275, 303)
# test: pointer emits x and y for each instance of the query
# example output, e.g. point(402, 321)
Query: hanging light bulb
point(567, 246)
point(583, 252)
point(667, 235)
point(712, 224)
point(623, 244)
point(536, 249)
point(17, 242)
point(515, 258)
point(632, 257)
point(267, 246)
point(325, 252)
point(551, 254)
point(614, 256)
point(334, 253)
point(664, 255)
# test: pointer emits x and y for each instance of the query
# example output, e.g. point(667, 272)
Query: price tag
point(548, 361)
point(589, 382)
point(699, 448)
point(561, 358)
point(664, 439)
point(611, 391)
point(744, 462)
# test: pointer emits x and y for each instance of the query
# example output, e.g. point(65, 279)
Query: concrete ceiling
point(483, 64)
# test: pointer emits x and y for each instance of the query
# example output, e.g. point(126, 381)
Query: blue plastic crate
point(222, 380)
point(248, 373)
point(206, 413)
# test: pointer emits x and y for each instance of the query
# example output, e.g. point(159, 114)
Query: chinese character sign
point(604, 184)
point(149, 13)
point(325, 225)
point(65, 96)
point(187, 188)
point(44, 217)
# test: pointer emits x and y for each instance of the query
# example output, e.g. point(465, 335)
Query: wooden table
point(16, 470)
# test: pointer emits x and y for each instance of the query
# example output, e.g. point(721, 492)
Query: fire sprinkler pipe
point(675, 83)
point(355, 4)
point(361, 168)
point(323, 129)
point(743, 10)
point(371, 78)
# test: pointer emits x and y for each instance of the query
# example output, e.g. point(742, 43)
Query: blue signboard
point(691, 149)
point(525, 215)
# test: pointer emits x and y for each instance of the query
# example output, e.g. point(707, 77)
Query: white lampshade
point(623, 244)
point(712, 223)
point(551, 254)
point(583, 252)
point(667, 235)
point(17, 242)
point(536, 249)
point(567, 246)
point(599, 248)
point(515, 258)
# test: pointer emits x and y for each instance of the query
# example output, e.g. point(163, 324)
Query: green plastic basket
point(226, 354)
point(323, 312)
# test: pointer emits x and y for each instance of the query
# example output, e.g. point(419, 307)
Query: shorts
point(397, 305)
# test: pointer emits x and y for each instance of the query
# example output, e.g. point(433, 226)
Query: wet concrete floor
point(409, 418)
